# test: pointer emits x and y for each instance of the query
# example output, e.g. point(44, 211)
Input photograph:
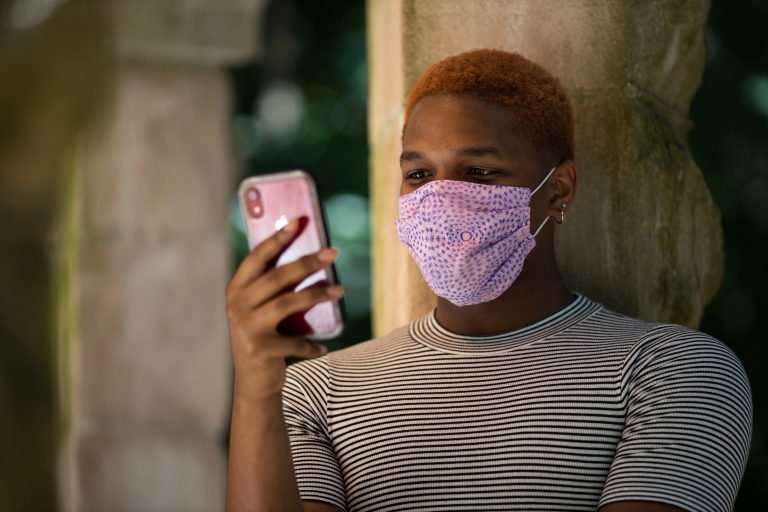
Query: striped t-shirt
point(583, 408)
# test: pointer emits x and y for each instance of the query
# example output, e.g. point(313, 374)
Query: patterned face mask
point(468, 239)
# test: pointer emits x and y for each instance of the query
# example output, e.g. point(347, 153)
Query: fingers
point(295, 347)
point(258, 260)
point(262, 323)
point(277, 280)
point(285, 305)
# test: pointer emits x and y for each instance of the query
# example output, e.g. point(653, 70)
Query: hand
point(257, 302)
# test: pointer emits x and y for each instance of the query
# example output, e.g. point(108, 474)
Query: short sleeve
point(314, 460)
point(688, 423)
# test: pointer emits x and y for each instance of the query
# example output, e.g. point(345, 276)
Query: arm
point(261, 475)
point(260, 466)
point(258, 436)
point(687, 430)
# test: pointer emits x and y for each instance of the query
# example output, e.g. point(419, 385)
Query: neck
point(537, 292)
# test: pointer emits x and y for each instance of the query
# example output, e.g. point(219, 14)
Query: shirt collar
point(427, 331)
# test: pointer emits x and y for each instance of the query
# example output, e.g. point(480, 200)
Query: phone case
point(268, 202)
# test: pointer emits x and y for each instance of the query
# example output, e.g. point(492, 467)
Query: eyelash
point(483, 172)
point(412, 175)
point(486, 172)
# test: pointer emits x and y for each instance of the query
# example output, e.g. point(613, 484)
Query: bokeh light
point(304, 106)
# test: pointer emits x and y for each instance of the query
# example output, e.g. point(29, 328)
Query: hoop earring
point(562, 217)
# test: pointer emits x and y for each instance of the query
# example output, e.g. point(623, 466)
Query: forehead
point(463, 120)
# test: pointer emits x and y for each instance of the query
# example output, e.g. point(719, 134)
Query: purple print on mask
point(468, 239)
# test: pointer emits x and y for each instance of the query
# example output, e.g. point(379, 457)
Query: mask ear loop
point(540, 226)
point(543, 181)
point(536, 190)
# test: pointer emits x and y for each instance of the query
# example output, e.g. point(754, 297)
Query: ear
point(565, 180)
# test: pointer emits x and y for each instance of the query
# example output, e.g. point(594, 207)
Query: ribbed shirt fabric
point(583, 408)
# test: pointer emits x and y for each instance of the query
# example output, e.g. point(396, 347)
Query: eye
point(479, 171)
point(417, 175)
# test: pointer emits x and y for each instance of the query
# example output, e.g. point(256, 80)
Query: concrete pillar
point(145, 374)
point(644, 236)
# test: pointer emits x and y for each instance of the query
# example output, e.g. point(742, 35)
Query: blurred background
point(298, 100)
point(303, 106)
point(729, 142)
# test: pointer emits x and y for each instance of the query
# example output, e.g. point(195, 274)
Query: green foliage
point(730, 144)
point(304, 106)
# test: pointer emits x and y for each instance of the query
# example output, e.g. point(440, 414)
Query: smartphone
point(268, 202)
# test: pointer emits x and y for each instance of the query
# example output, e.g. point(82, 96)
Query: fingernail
point(335, 291)
point(290, 228)
point(328, 255)
point(322, 349)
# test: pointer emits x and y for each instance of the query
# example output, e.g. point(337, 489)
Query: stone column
point(146, 374)
point(644, 236)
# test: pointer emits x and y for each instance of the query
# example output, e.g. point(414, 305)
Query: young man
point(514, 393)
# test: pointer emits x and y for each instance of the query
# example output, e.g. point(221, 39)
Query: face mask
point(468, 239)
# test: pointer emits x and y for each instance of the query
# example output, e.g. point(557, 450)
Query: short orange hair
point(541, 106)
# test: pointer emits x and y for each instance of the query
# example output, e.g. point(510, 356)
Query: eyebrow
point(410, 156)
point(479, 151)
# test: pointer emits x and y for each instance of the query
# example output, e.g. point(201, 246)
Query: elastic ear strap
point(541, 226)
point(544, 181)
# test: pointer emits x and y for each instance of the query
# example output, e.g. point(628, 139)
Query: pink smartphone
point(268, 203)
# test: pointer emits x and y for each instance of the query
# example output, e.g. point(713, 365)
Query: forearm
point(261, 475)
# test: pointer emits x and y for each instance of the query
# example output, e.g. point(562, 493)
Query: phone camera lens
point(253, 200)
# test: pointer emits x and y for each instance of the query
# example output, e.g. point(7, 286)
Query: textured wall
point(115, 177)
point(146, 380)
point(152, 391)
point(643, 236)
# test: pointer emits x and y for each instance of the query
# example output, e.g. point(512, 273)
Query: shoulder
point(656, 352)
point(367, 353)
point(312, 372)
point(610, 323)
point(305, 392)
point(674, 360)
point(669, 344)
point(688, 422)
point(647, 342)
point(383, 346)
point(371, 356)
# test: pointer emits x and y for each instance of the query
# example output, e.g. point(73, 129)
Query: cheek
point(539, 205)
point(407, 188)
